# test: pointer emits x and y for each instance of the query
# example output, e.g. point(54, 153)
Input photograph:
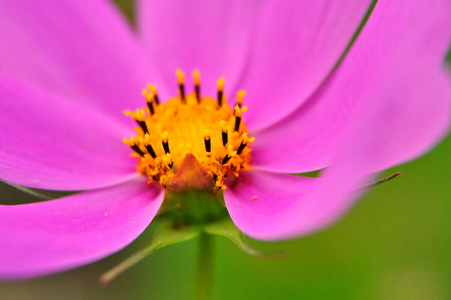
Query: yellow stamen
point(150, 98)
point(153, 90)
point(239, 111)
point(230, 150)
point(164, 136)
point(207, 142)
point(199, 130)
point(224, 125)
point(196, 76)
point(180, 77)
point(181, 81)
point(221, 91)
point(246, 138)
point(137, 115)
point(240, 98)
point(221, 84)
point(130, 142)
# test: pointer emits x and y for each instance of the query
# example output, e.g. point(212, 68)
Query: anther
point(146, 142)
point(151, 151)
point(226, 159)
point(150, 99)
point(225, 137)
point(220, 91)
point(207, 141)
point(246, 140)
point(224, 132)
point(238, 113)
point(168, 160)
point(241, 147)
point(153, 90)
point(165, 142)
point(131, 142)
point(240, 97)
point(181, 82)
point(196, 75)
point(137, 150)
point(166, 147)
point(139, 116)
point(143, 126)
point(229, 155)
point(237, 123)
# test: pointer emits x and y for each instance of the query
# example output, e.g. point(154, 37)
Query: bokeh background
point(394, 244)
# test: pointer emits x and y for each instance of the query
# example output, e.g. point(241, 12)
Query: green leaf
point(225, 227)
point(165, 235)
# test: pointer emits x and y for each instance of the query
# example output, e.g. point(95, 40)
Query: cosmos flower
point(69, 70)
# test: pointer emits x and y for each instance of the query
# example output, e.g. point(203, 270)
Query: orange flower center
point(191, 141)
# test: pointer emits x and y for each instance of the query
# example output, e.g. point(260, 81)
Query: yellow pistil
point(191, 141)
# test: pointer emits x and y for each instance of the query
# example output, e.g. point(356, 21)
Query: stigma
point(191, 141)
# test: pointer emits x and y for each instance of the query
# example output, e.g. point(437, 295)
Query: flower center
point(191, 141)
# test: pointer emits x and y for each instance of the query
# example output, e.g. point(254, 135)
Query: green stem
point(205, 271)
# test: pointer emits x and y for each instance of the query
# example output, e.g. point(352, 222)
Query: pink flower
point(69, 70)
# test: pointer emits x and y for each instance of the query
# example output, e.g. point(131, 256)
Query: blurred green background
point(394, 244)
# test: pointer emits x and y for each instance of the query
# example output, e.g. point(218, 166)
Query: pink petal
point(212, 36)
point(85, 51)
point(305, 140)
point(407, 110)
point(47, 237)
point(393, 74)
point(297, 44)
point(407, 89)
point(271, 206)
point(49, 142)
